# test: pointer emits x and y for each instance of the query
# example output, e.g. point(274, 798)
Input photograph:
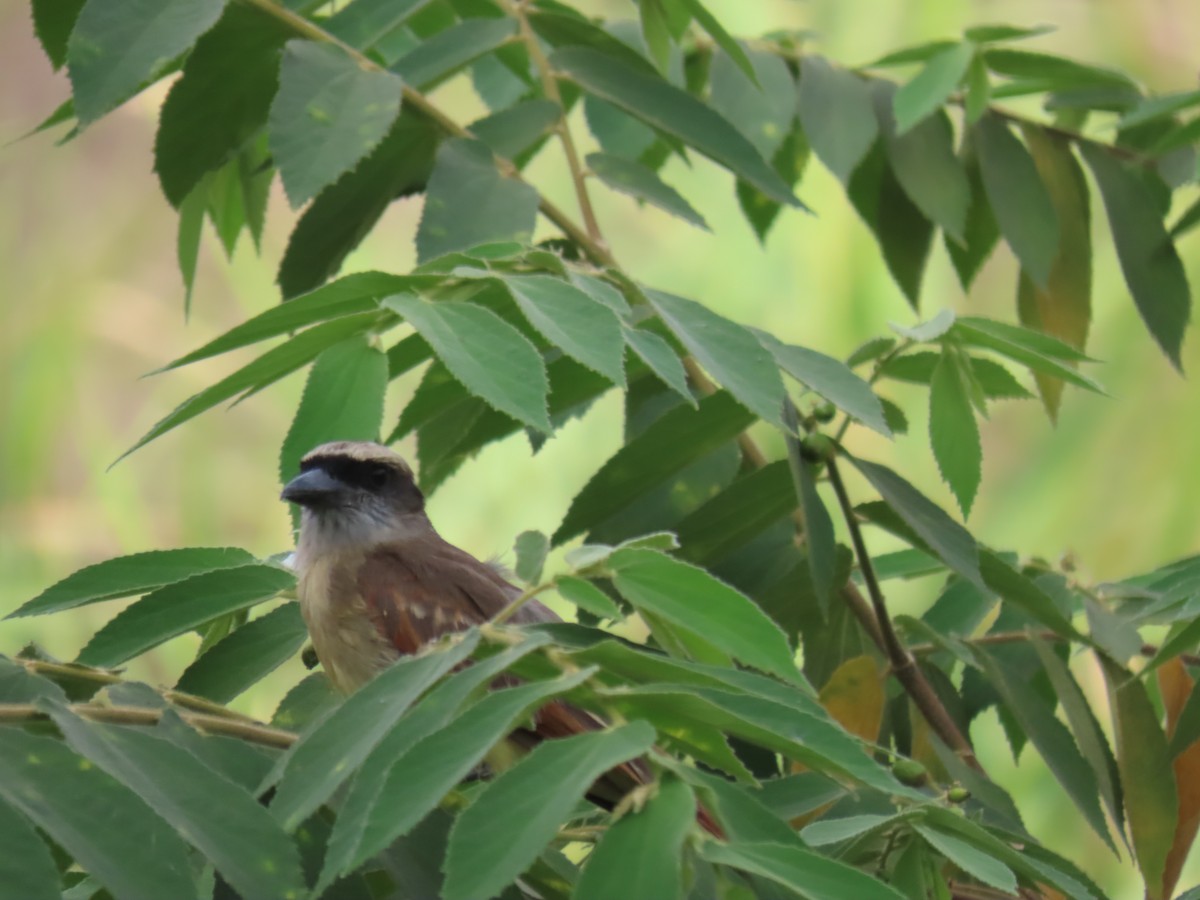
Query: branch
point(18, 713)
point(903, 665)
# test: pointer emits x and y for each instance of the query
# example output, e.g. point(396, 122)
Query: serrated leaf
point(327, 755)
point(930, 88)
point(419, 779)
point(1064, 308)
point(981, 232)
point(1052, 740)
point(736, 515)
point(342, 400)
point(1151, 795)
point(584, 329)
point(830, 378)
point(512, 131)
point(261, 372)
point(491, 358)
point(531, 548)
point(246, 656)
point(953, 431)
point(221, 99)
point(53, 21)
point(128, 575)
point(950, 541)
point(343, 213)
point(926, 166)
point(1023, 207)
point(27, 870)
point(728, 351)
point(638, 856)
point(832, 831)
point(690, 598)
point(818, 527)
point(978, 90)
point(364, 23)
point(992, 34)
point(995, 380)
point(642, 183)
point(837, 114)
point(187, 240)
point(971, 860)
point(1151, 265)
point(177, 608)
point(1057, 73)
point(758, 98)
point(662, 360)
point(1023, 346)
point(101, 823)
point(328, 114)
point(673, 111)
point(534, 797)
point(585, 595)
point(811, 875)
point(468, 202)
point(677, 439)
point(117, 45)
point(446, 52)
point(918, 53)
point(220, 819)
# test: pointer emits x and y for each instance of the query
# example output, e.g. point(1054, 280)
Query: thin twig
point(16, 713)
point(907, 672)
point(511, 610)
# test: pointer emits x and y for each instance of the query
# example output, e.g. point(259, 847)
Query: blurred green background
point(93, 300)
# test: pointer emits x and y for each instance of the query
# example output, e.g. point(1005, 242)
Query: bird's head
point(357, 492)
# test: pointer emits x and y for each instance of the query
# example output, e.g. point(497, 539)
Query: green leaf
point(94, 818)
point(662, 360)
point(27, 870)
point(830, 378)
point(642, 183)
point(995, 380)
point(736, 515)
point(1088, 734)
point(420, 778)
point(992, 34)
point(670, 444)
point(978, 90)
point(1022, 592)
point(930, 88)
point(1151, 265)
point(1023, 207)
point(1029, 348)
point(818, 527)
point(311, 700)
point(512, 131)
point(981, 232)
point(534, 797)
point(364, 23)
point(638, 856)
point(342, 214)
point(221, 99)
point(1151, 794)
point(448, 51)
point(434, 711)
point(725, 40)
point(491, 358)
point(531, 548)
point(761, 104)
point(1057, 72)
point(329, 113)
point(585, 595)
point(926, 167)
point(903, 233)
point(128, 575)
point(52, 22)
point(342, 400)
point(673, 111)
point(918, 53)
point(324, 757)
point(951, 542)
point(811, 875)
point(258, 374)
point(729, 352)
point(225, 822)
point(953, 432)
point(187, 240)
point(974, 862)
point(837, 114)
point(690, 598)
point(833, 831)
point(117, 45)
point(177, 608)
point(468, 202)
point(586, 330)
point(1051, 738)
point(246, 656)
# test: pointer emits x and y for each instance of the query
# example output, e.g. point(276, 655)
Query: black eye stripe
point(360, 473)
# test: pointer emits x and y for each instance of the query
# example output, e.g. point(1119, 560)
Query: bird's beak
point(314, 488)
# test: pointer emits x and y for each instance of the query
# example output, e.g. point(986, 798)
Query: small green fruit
point(910, 772)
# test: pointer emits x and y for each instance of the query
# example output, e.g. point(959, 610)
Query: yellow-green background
point(91, 300)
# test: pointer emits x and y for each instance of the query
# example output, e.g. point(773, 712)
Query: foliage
point(824, 781)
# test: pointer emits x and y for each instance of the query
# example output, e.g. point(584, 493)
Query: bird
point(377, 582)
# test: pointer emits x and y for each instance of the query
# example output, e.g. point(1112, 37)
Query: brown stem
point(903, 664)
point(16, 713)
